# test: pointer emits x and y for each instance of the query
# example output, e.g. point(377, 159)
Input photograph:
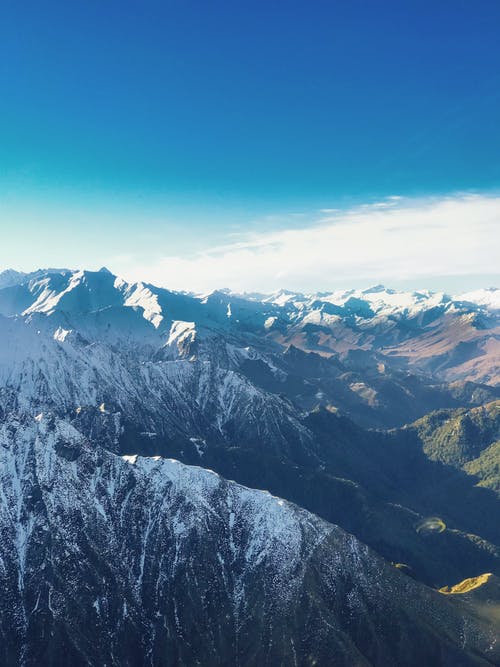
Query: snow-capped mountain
point(445, 338)
point(384, 301)
point(450, 338)
point(145, 560)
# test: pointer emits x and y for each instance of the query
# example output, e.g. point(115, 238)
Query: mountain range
point(244, 478)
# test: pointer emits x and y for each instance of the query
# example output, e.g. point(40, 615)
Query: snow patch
point(140, 296)
point(61, 334)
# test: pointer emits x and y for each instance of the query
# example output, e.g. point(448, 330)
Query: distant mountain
point(449, 338)
point(361, 363)
point(103, 381)
point(9, 277)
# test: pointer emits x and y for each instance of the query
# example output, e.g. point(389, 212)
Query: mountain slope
point(111, 560)
point(466, 439)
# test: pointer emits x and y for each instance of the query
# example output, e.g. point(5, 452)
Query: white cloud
point(390, 241)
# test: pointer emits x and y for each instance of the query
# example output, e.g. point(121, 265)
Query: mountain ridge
point(108, 593)
point(302, 399)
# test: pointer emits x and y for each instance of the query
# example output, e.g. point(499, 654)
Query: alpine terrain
point(247, 479)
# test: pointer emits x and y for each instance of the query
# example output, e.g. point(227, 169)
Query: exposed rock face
point(138, 561)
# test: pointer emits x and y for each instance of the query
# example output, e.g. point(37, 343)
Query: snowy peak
point(9, 277)
point(379, 301)
point(488, 298)
point(283, 297)
point(80, 292)
point(382, 301)
point(83, 291)
point(97, 307)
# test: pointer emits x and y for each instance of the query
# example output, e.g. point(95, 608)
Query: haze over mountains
point(126, 408)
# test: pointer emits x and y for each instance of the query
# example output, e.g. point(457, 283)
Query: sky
point(253, 145)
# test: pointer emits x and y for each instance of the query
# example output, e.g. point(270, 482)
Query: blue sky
point(132, 132)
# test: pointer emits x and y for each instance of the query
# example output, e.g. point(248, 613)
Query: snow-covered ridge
point(118, 337)
point(385, 301)
point(50, 291)
point(51, 452)
point(147, 557)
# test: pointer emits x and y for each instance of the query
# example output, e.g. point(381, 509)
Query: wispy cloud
point(390, 241)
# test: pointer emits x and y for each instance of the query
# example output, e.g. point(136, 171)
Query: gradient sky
point(132, 133)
